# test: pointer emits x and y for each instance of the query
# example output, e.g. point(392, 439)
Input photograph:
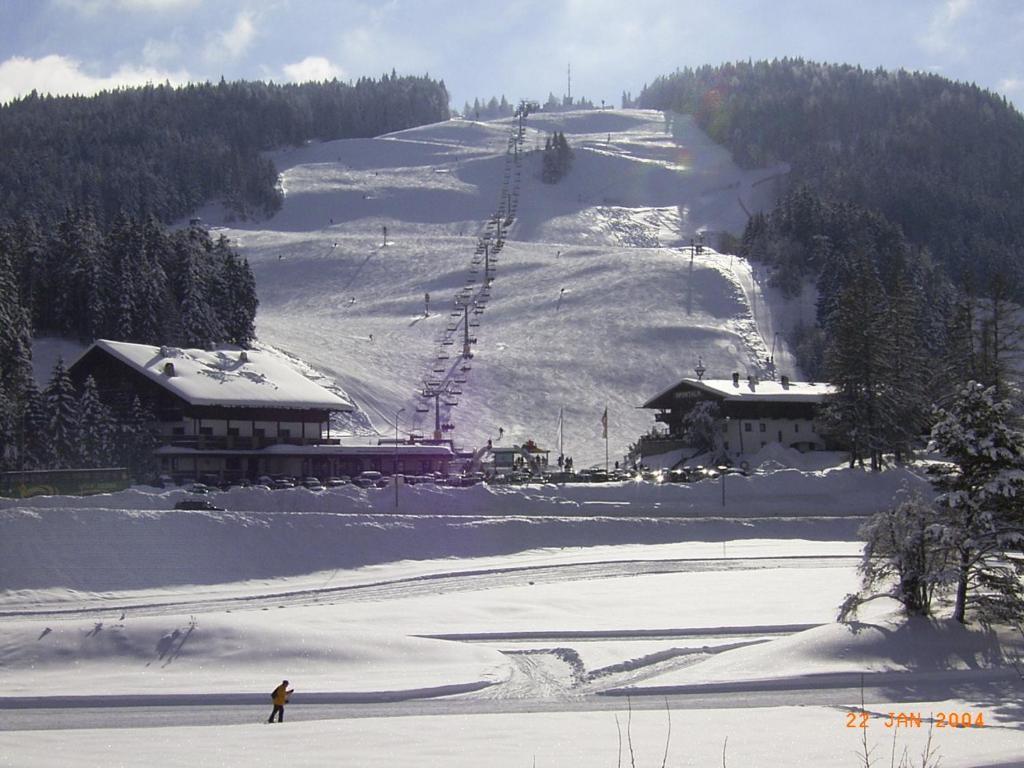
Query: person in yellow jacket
point(280, 696)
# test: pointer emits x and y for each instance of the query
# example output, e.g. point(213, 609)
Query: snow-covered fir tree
point(136, 441)
point(8, 430)
point(96, 428)
point(62, 418)
point(701, 427)
point(36, 450)
point(978, 511)
point(200, 326)
point(859, 352)
point(903, 559)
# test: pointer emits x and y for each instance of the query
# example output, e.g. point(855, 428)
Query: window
point(284, 433)
point(763, 443)
point(206, 430)
point(764, 427)
point(796, 427)
point(178, 431)
point(232, 431)
point(747, 427)
point(726, 445)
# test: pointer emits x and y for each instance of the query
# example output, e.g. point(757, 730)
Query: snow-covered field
point(540, 625)
point(134, 634)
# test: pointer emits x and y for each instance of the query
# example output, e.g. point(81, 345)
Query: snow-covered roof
point(224, 377)
point(404, 450)
point(750, 390)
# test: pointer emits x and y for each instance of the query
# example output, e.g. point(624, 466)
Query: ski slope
point(597, 299)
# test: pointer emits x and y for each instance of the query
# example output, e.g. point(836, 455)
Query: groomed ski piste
point(567, 625)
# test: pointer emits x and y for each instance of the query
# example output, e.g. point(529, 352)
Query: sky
point(484, 48)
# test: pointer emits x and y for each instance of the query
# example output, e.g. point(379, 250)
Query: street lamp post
point(394, 468)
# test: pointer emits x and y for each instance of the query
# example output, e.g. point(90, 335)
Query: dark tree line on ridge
point(942, 160)
point(164, 151)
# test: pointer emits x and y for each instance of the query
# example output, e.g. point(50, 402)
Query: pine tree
point(234, 295)
point(200, 325)
point(8, 431)
point(62, 418)
point(36, 447)
point(15, 333)
point(95, 428)
point(905, 372)
point(137, 441)
point(701, 428)
point(856, 360)
point(979, 516)
point(80, 305)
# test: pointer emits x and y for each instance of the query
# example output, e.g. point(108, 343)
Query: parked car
point(199, 488)
point(198, 504)
point(367, 479)
point(335, 482)
point(313, 484)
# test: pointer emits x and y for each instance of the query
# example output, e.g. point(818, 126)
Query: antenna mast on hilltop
point(568, 84)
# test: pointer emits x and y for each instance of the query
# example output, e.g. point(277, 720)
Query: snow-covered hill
point(596, 302)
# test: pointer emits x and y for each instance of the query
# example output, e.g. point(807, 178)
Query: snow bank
point(133, 540)
point(887, 644)
point(232, 653)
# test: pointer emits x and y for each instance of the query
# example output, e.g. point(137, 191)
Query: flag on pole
point(604, 424)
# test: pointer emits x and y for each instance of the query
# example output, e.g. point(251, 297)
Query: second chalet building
point(752, 413)
point(234, 414)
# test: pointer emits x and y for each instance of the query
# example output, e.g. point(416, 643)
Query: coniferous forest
point(942, 160)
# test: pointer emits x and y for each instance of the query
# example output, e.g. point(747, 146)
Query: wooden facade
point(245, 440)
point(752, 414)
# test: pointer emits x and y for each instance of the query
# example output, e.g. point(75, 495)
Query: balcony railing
point(239, 442)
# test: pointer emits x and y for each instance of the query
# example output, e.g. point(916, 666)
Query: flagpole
point(606, 439)
point(561, 434)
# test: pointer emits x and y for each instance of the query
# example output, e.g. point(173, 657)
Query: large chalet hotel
point(751, 414)
point(239, 414)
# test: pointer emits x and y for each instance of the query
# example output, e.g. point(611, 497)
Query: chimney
point(785, 382)
point(243, 357)
point(735, 379)
point(751, 382)
point(168, 369)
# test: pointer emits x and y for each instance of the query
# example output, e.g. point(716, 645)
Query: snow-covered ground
point(597, 300)
point(127, 626)
point(543, 625)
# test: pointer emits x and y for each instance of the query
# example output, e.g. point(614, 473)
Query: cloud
point(92, 7)
point(156, 51)
point(1013, 87)
point(59, 75)
point(312, 68)
point(233, 42)
point(937, 38)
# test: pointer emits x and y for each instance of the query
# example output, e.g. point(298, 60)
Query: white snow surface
point(119, 596)
point(228, 376)
point(596, 302)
